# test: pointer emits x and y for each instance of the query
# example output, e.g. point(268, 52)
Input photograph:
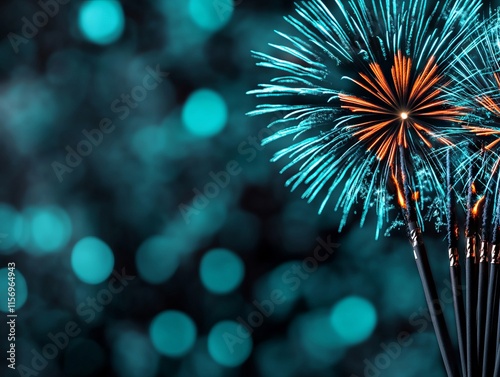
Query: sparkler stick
point(483, 279)
point(496, 372)
point(497, 315)
point(407, 200)
point(455, 273)
point(471, 278)
point(492, 302)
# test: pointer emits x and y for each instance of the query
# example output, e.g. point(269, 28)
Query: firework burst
point(394, 58)
point(476, 77)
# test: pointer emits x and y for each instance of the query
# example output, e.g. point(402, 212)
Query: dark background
point(138, 184)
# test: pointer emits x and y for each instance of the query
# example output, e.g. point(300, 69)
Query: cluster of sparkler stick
point(423, 78)
point(476, 303)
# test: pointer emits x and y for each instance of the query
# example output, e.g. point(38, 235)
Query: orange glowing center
point(399, 108)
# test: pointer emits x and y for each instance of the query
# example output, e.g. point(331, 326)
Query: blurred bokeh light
point(173, 333)
point(11, 228)
point(211, 14)
point(221, 271)
point(226, 344)
point(205, 113)
point(156, 260)
point(134, 355)
point(101, 21)
point(92, 260)
point(354, 319)
point(47, 229)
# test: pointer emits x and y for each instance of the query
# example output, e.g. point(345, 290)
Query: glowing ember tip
point(404, 115)
point(399, 191)
point(416, 196)
point(477, 207)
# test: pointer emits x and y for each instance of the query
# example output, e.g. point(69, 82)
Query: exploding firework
point(476, 77)
point(357, 83)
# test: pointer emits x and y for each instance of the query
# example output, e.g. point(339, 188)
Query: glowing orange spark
point(400, 108)
point(477, 206)
point(401, 197)
point(416, 196)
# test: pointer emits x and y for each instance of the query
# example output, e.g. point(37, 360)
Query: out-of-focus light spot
point(101, 21)
point(92, 260)
point(221, 271)
point(354, 319)
point(50, 229)
point(401, 288)
point(27, 130)
point(318, 338)
point(21, 289)
point(323, 277)
point(285, 279)
point(173, 333)
point(202, 363)
point(204, 113)
point(226, 346)
point(207, 222)
point(83, 358)
point(134, 356)
point(156, 260)
point(211, 14)
point(150, 142)
point(11, 228)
